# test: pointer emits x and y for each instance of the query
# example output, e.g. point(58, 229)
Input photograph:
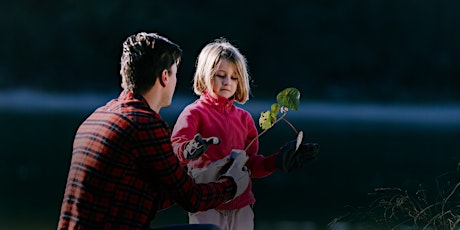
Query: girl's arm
point(184, 130)
point(258, 164)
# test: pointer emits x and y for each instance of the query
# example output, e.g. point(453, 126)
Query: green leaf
point(265, 120)
point(289, 98)
point(275, 108)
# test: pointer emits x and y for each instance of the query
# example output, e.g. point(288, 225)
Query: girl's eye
point(222, 76)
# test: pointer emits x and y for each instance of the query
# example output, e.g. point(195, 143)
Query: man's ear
point(164, 77)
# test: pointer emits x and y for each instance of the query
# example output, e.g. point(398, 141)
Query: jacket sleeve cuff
point(270, 163)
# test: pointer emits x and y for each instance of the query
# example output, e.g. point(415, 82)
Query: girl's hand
point(198, 146)
point(291, 157)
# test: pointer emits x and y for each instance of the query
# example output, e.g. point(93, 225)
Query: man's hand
point(234, 169)
point(196, 147)
point(209, 173)
point(289, 159)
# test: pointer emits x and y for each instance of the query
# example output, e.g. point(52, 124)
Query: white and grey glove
point(235, 169)
point(196, 147)
point(210, 172)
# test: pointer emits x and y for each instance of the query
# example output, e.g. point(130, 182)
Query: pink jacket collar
point(220, 103)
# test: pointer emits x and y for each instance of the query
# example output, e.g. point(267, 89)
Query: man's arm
point(158, 160)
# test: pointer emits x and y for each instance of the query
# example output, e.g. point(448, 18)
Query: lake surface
point(363, 147)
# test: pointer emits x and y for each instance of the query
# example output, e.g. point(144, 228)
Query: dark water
point(362, 148)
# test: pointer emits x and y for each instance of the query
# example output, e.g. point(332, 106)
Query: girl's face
point(225, 80)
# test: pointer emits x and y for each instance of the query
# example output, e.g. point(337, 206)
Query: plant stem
point(265, 130)
point(289, 123)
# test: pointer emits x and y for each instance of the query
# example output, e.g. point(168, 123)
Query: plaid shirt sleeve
point(158, 161)
point(123, 171)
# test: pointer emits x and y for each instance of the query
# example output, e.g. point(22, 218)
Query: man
point(123, 169)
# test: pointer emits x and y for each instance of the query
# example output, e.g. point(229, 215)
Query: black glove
point(289, 159)
point(196, 147)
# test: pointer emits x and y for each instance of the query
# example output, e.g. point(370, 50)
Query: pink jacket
point(235, 128)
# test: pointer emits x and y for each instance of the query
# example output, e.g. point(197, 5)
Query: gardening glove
point(196, 147)
point(234, 169)
point(289, 159)
point(210, 172)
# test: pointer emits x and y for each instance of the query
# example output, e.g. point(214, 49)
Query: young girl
point(209, 129)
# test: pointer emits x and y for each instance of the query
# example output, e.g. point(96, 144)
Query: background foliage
point(381, 52)
point(358, 50)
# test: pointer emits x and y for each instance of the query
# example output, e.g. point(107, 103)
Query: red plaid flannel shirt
point(123, 171)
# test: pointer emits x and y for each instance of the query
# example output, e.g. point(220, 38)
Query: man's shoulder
point(133, 113)
point(141, 116)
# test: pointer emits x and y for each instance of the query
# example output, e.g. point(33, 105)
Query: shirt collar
point(131, 97)
point(220, 103)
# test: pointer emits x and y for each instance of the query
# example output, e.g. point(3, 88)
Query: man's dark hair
point(144, 57)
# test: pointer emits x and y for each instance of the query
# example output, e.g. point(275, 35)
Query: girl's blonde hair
point(209, 60)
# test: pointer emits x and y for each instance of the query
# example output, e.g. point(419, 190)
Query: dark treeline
point(357, 50)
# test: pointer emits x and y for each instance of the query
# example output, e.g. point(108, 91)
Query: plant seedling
point(286, 99)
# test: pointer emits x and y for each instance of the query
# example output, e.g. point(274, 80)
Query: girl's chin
point(226, 95)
